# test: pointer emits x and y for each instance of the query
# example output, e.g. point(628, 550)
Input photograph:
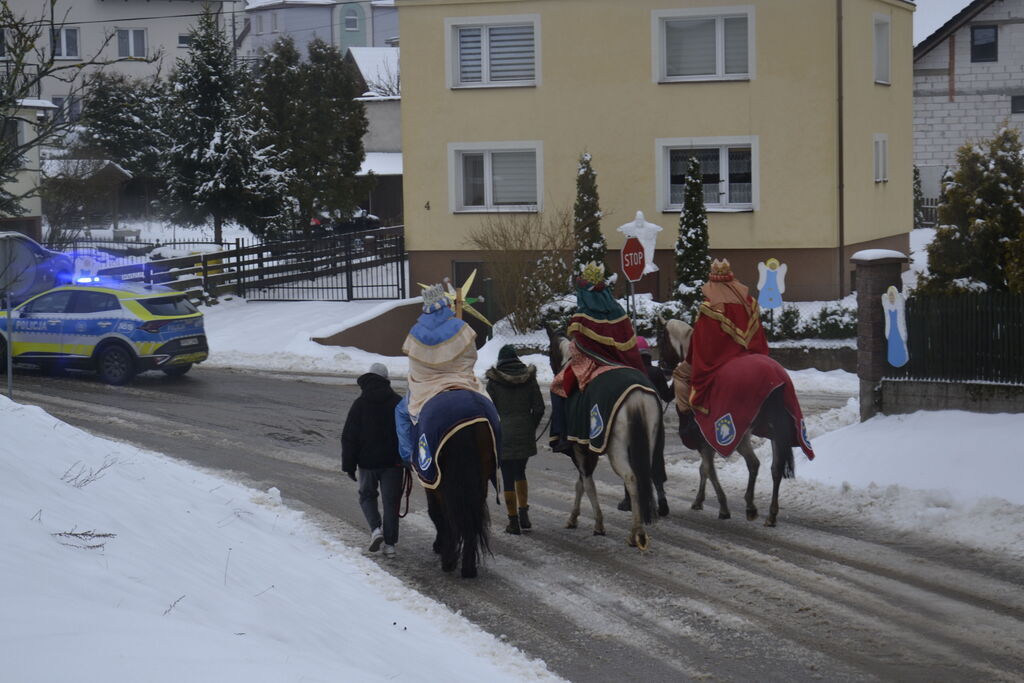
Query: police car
point(117, 329)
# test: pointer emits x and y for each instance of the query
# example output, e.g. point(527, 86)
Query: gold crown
point(721, 271)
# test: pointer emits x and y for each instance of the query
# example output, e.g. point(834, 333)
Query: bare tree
point(529, 259)
point(29, 63)
point(387, 82)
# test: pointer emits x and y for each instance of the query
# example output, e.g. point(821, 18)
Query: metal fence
point(929, 212)
point(123, 252)
point(365, 265)
point(968, 337)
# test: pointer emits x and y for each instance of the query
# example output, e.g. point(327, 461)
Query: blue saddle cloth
point(441, 417)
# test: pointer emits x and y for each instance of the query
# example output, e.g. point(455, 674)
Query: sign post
point(633, 263)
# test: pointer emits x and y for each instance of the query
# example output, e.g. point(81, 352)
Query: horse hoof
point(751, 515)
point(437, 547)
point(770, 521)
point(571, 525)
point(599, 532)
point(449, 566)
point(663, 508)
point(697, 506)
point(624, 505)
point(724, 515)
point(469, 572)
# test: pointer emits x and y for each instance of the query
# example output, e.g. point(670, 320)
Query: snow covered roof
point(376, 64)
point(878, 255)
point(382, 163)
point(80, 168)
point(29, 103)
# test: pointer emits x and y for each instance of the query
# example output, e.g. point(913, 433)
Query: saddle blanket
point(442, 416)
point(589, 414)
point(738, 390)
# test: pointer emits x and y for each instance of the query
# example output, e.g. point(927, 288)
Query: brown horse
point(773, 419)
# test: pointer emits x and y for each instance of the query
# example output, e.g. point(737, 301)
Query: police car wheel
point(116, 365)
point(177, 370)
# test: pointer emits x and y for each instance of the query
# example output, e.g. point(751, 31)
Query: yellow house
point(799, 110)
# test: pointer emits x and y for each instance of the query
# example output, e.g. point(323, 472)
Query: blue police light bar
point(84, 280)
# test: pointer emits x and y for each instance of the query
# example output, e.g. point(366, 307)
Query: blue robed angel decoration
point(895, 328)
point(771, 284)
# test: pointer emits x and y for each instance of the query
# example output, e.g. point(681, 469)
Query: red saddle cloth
point(735, 396)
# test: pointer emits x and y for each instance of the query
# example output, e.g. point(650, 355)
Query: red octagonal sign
point(633, 260)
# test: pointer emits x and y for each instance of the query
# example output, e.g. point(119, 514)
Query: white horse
point(635, 450)
point(773, 418)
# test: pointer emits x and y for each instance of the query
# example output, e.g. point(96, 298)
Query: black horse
point(458, 505)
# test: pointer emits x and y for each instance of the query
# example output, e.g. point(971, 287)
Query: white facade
point(958, 99)
point(113, 29)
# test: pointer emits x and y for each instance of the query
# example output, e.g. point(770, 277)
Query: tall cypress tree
point(216, 168)
point(693, 261)
point(590, 243)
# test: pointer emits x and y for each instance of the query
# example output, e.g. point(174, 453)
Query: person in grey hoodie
point(369, 442)
point(513, 388)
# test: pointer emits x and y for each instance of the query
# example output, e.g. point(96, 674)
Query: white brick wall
point(983, 91)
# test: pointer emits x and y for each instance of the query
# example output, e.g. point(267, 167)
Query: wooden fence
point(969, 337)
point(367, 265)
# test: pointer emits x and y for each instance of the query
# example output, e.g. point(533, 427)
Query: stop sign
point(633, 260)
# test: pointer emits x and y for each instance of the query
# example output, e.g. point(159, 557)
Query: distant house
point(19, 130)
point(968, 80)
point(134, 30)
point(342, 23)
point(799, 113)
point(378, 72)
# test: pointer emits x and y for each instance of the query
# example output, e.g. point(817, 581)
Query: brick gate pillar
point(876, 270)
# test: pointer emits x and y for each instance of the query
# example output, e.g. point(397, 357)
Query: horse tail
point(464, 478)
point(783, 433)
point(641, 454)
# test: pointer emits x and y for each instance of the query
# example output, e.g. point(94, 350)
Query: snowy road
point(823, 596)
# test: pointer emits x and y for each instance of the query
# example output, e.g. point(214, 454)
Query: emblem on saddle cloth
point(725, 430)
point(596, 422)
point(424, 457)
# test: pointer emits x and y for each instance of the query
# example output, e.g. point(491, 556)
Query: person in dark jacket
point(665, 392)
point(513, 388)
point(369, 442)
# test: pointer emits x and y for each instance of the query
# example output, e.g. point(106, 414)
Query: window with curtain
point(882, 48)
point(503, 53)
point(131, 42)
point(727, 174)
point(496, 179)
point(984, 43)
point(704, 47)
point(64, 42)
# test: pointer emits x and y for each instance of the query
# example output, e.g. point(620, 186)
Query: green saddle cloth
point(590, 414)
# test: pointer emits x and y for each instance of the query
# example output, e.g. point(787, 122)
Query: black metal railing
point(967, 337)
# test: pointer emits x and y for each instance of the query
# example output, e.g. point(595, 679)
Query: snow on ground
point(950, 475)
point(125, 565)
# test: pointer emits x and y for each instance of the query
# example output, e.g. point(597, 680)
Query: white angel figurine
point(771, 284)
point(895, 327)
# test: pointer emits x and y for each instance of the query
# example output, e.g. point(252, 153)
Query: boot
point(513, 517)
point(522, 497)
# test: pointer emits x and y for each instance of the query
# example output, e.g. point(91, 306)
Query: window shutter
point(736, 48)
point(511, 52)
point(514, 178)
point(470, 55)
point(690, 47)
point(122, 43)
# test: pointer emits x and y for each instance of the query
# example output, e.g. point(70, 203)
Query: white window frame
point(131, 42)
point(880, 77)
point(659, 65)
point(351, 13)
point(455, 152)
point(451, 49)
point(880, 157)
point(62, 32)
point(662, 152)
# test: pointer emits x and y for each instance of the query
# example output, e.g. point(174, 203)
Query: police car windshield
point(168, 305)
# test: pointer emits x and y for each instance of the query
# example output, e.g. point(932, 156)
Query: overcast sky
point(932, 14)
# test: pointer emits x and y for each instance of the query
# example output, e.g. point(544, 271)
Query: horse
point(773, 420)
point(636, 444)
point(466, 462)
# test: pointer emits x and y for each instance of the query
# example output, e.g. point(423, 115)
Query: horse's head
point(558, 350)
point(673, 343)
